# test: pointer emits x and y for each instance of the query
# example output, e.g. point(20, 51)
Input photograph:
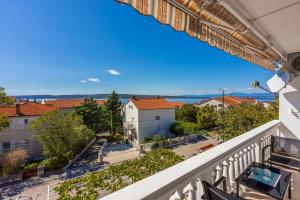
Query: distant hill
point(127, 96)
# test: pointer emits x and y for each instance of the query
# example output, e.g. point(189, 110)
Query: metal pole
point(111, 122)
point(48, 195)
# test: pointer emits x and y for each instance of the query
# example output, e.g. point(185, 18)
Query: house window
point(6, 145)
point(132, 119)
point(220, 105)
point(25, 121)
point(157, 117)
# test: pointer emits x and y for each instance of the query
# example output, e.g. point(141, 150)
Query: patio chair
point(284, 152)
point(211, 192)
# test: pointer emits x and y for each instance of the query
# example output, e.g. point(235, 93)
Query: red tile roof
point(151, 104)
point(177, 104)
point(232, 100)
point(69, 103)
point(26, 109)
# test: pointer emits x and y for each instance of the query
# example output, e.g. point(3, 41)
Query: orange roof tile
point(177, 104)
point(69, 103)
point(232, 100)
point(151, 104)
point(26, 109)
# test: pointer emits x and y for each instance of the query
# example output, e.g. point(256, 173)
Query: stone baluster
point(241, 157)
point(253, 152)
point(188, 192)
point(249, 154)
point(231, 172)
point(258, 149)
point(199, 189)
point(218, 173)
point(226, 173)
point(245, 158)
point(175, 196)
point(236, 165)
point(213, 175)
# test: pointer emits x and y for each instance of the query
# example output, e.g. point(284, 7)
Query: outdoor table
point(265, 179)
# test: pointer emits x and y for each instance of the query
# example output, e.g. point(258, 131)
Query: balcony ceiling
point(277, 19)
point(262, 32)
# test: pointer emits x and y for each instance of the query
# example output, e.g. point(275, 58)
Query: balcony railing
point(183, 181)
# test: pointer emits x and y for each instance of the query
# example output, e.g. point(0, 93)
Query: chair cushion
point(284, 161)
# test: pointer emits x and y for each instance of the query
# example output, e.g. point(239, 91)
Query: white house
point(17, 134)
point(217, 103)
point(148, 117)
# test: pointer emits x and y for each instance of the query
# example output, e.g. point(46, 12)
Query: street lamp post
point(223, 110)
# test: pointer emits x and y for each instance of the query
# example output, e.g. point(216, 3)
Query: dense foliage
point(12, 161)
point(62, 136)
point(94, 115)
point(207, 117)
point(154, 138)
point(114, 108)
point(4, 100)
point(181, 128)
point(117, 177)
point(244, 117)
point(187, 113)
point(228, 123)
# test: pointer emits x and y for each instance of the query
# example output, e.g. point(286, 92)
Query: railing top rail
point(146, 188)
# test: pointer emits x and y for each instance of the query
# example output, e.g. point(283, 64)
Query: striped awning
point(210, 22)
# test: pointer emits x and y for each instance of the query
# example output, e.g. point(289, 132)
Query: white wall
point(149, 126)
point(19, 136)
point(145, 121)
point(289, 98)
point(214, 103)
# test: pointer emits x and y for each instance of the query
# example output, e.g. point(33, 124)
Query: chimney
point(134, 97)
point(18, 112)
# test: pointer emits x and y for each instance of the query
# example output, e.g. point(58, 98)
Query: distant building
point(217, 103)
point(68, 104)
point(148, 117)
point(17, 134)
point(177, 105)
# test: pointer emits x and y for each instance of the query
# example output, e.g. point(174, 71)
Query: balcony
point(183, 181)
point(128, 125)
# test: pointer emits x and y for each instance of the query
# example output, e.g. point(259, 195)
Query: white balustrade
point(183, 181)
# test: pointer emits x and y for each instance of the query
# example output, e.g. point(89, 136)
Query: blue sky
point(71, 46)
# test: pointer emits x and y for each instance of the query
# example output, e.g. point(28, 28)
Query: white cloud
point(83, 81)
point(95, 80)
point(113, 72)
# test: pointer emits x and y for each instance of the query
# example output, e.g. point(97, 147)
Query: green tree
point(4, 122)
point(4, 101)
point(241, 118)
point(273, 109)
point(180, 128)
point(94, 115)
point(187, 113)
point(114, 109)
point(62, 136)
point(207, 117)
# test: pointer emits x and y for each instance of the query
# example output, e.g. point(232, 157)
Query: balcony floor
point(252, 195)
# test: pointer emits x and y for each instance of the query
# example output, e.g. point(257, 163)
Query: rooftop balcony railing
point(183, 181)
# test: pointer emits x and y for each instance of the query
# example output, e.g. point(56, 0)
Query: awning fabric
point(210, 22)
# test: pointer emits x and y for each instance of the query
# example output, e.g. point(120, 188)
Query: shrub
point(53, 163)
point(154, 138)
point(13, 161)
point(184, 128)
point(30, 166)
point(114, 138)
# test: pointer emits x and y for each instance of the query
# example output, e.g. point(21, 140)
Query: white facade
point(18, 135)
point(212, 102)
point(147, 122)
point(289, 100)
